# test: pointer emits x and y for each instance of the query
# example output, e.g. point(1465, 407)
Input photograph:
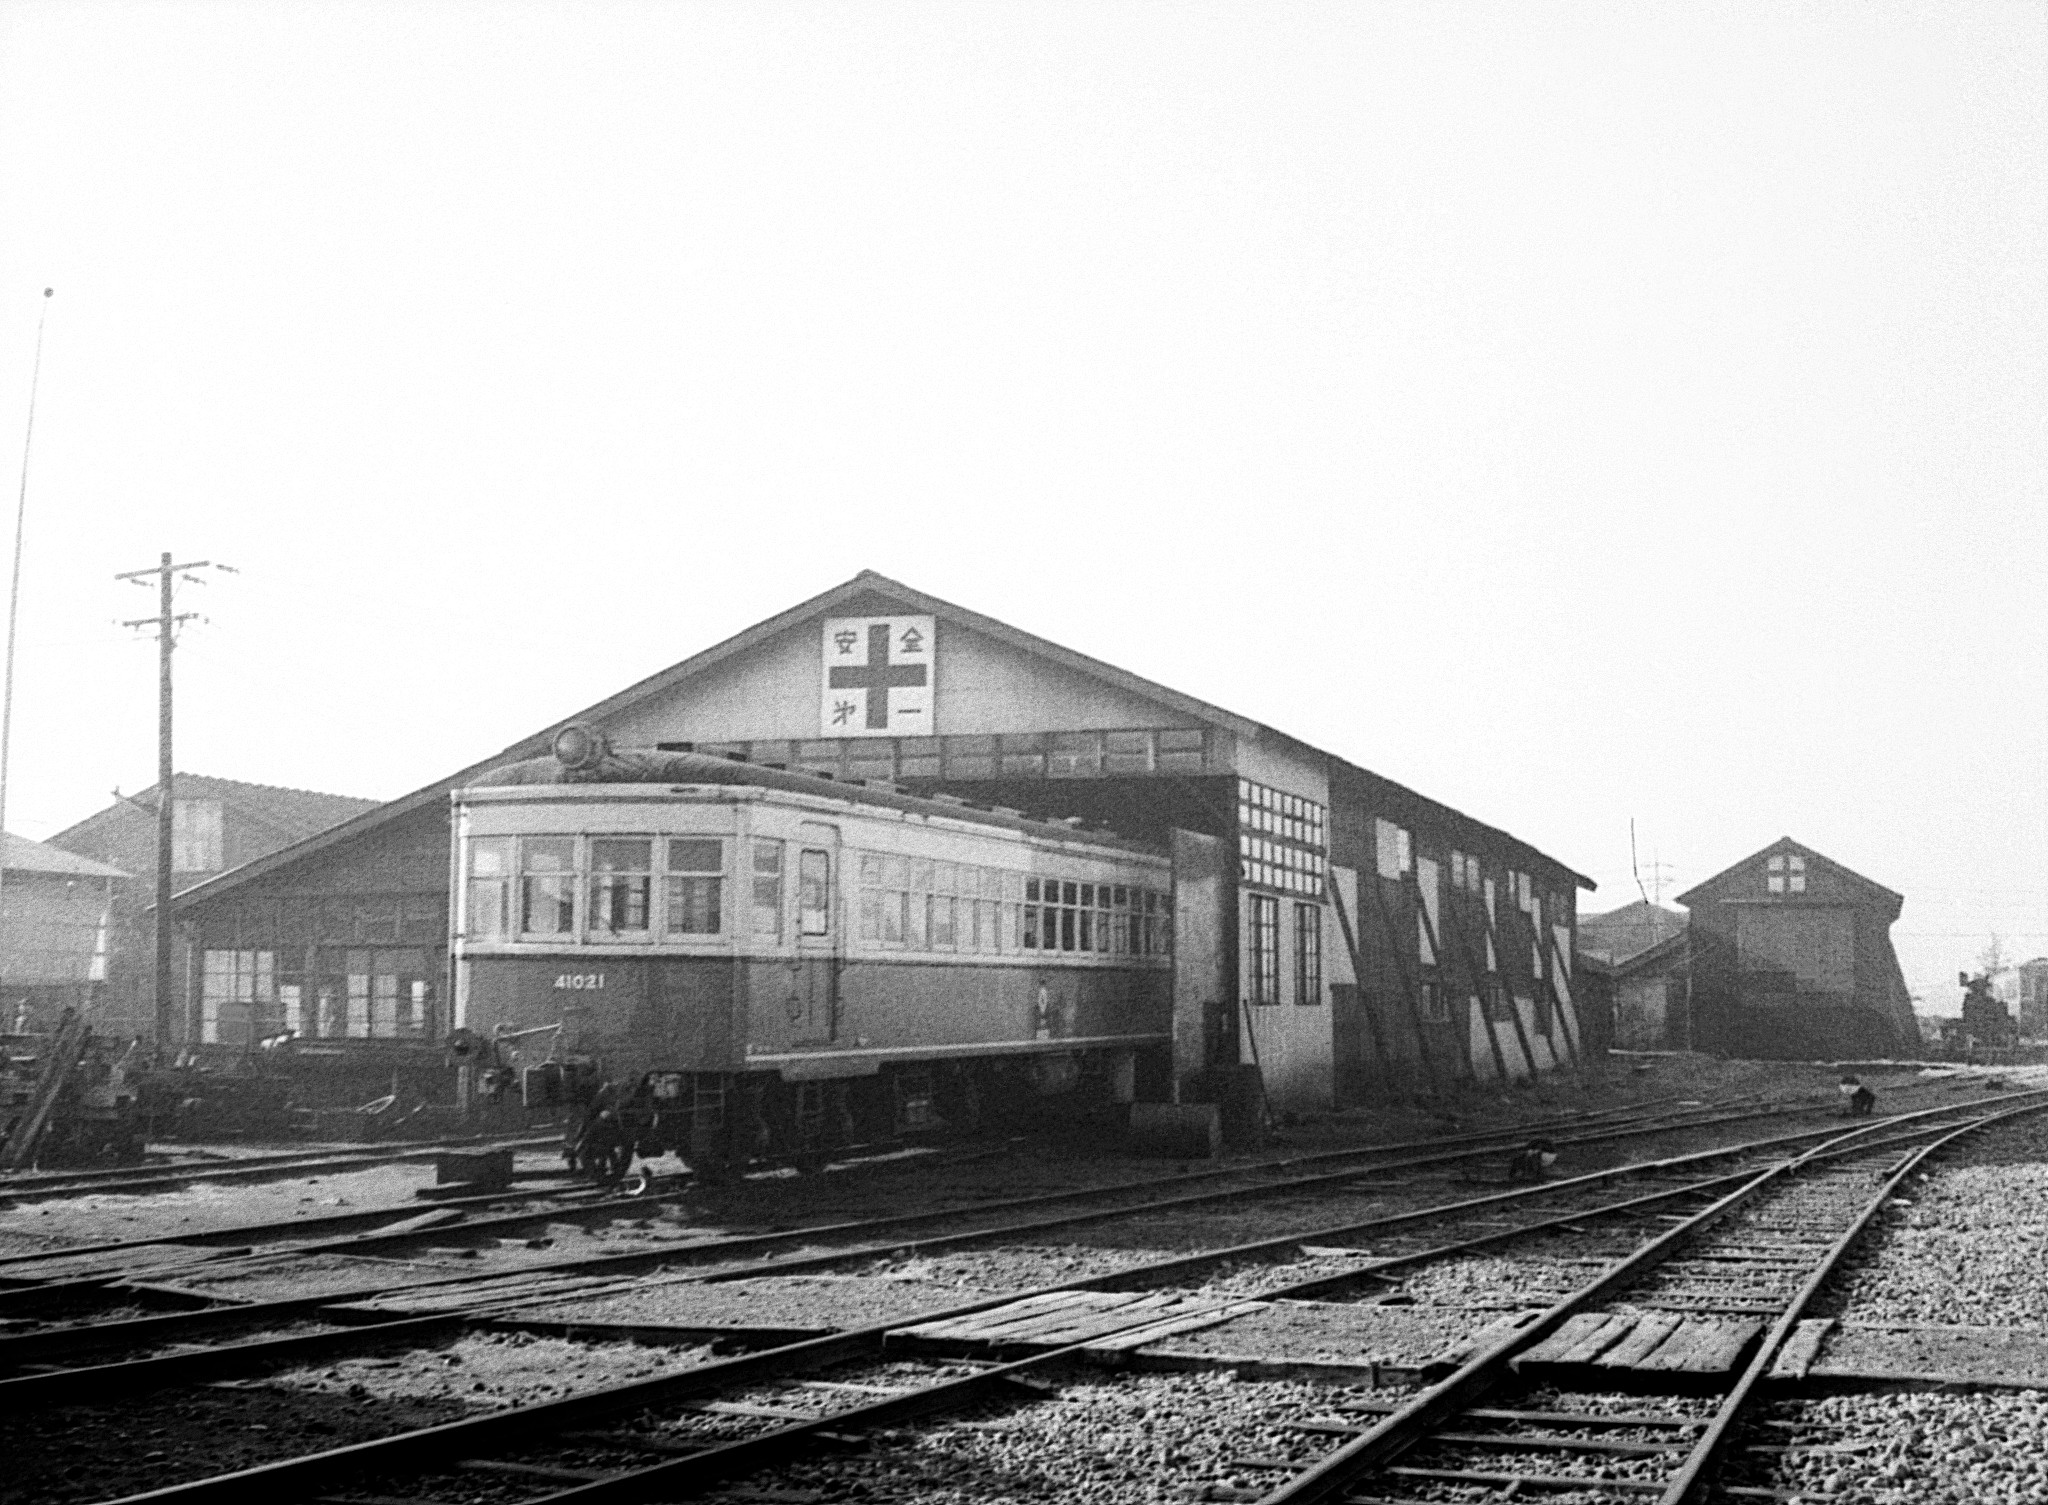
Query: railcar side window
point(1158, 929)
point(768, 889)
point(547, 885)
point(696, 880)
point(895, 899)
point(490, 888)
point(814, 893)
point(621, 884)
point(918, 935)
point(988, 911)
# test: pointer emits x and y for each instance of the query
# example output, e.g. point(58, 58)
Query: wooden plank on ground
point(1801, 1349)
point(1486, 1337)
point(1187, 1322)
point(1650, 1331)
point(1078, 1328)
point(1707, 1345)
point(982, 1326)
point(1617, 1327)
point(1569, 1337)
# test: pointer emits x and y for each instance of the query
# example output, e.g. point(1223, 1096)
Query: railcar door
point(820, 927)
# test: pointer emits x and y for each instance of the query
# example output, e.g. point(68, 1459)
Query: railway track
point(40, 1186)
point(29, 1278)
point(121, 1286)
point(576, 1200)
point(590, 1446)
point(1719, 1296)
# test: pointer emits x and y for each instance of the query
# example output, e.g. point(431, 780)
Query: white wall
point(984, 686)
point(1291, 1041)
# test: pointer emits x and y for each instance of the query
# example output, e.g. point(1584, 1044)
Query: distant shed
point(1792, 959)
point(1645, 957)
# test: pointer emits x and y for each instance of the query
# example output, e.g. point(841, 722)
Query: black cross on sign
point(878, 677)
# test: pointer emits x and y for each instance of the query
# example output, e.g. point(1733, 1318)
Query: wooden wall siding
point(1835, 989)
point(1816, 943)
point(1506, 1045)
point(1394, 933)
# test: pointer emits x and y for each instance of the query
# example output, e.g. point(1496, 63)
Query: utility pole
point(166, 623)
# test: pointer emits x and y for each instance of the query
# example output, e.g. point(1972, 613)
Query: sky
point(1587, 414)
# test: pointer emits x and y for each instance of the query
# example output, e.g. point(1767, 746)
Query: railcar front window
point(490, 888)
point(547, 885)
point(621, 884)
point(696, 878)
point(768, 889)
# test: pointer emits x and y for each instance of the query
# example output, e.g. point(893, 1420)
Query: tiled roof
point(20, 855)
point(290, 815)
point(1625, 932)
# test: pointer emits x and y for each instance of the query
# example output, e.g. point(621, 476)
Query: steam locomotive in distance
point(735, 962)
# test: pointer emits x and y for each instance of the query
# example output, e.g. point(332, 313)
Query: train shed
point(1373, 939)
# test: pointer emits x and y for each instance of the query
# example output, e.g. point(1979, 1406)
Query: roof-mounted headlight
point(580, 747)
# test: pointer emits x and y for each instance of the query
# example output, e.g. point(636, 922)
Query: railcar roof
point(632, 776)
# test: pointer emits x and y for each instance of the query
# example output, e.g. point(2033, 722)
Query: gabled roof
point(291, 815)
point(869, 584)
point(1692, 897)
point(1672, 948)
point(1627, 932)
point(854, 597)
point(20, 855)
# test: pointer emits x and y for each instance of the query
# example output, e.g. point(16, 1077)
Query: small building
point(1374, 939)
point(2024, 989)
point(1647, 961)
point(216, 825)
point(1792, 959)
point(2032, 1004)
point(56, 914)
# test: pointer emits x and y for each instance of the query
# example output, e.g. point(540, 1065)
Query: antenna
point(14, 593)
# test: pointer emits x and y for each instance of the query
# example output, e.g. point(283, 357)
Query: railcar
point(688, 953)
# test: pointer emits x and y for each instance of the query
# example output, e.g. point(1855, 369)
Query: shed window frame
point(1262, 949)
point(1308, 954)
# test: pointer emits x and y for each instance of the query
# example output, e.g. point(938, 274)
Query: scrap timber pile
point(1719, 1288)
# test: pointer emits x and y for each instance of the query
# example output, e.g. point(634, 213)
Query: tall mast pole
point(14, 592)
